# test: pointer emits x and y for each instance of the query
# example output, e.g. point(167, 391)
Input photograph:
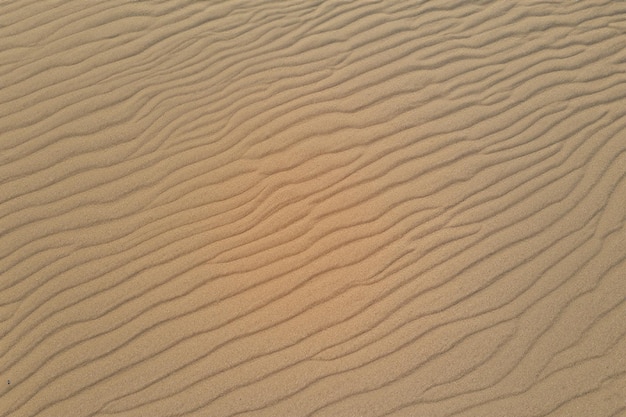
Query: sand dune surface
point(313, 208)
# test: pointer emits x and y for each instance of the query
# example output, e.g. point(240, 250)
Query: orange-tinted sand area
point(312, 208)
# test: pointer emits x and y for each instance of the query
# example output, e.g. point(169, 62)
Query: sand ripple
point(312, 208)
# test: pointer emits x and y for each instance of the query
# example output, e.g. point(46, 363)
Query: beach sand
point(312, 208)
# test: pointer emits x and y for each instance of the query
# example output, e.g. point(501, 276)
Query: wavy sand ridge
point(313, 208)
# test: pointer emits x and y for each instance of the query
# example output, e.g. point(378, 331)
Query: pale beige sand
point(312, 208)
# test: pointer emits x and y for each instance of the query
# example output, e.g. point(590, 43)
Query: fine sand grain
point(312, 208)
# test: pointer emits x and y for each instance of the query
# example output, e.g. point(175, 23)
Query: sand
point(312, 208)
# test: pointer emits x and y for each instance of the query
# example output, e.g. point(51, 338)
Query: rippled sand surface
point(312, 208)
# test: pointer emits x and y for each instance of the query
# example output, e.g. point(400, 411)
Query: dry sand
point(312, 208)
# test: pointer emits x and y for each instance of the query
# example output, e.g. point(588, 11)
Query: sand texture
point(312, 208)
